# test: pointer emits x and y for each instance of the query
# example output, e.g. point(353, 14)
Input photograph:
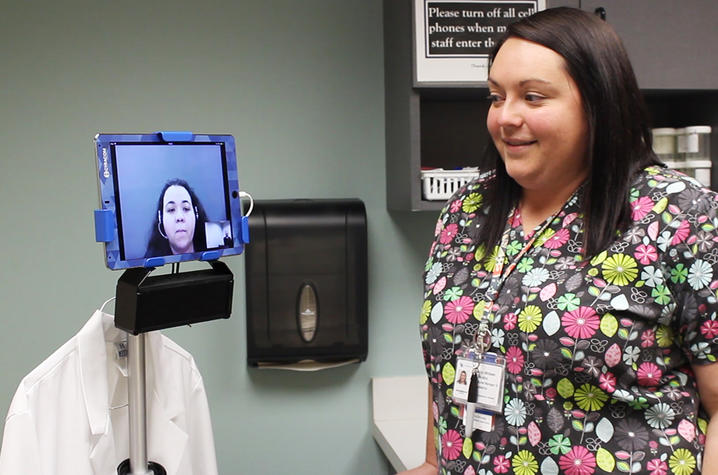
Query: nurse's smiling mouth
point(517, 145)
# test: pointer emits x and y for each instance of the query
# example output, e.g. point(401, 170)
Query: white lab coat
point(59, 420)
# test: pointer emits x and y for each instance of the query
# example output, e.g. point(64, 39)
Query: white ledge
point(400, 418)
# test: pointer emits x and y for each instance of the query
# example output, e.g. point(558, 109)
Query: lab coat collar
point(164, 403)
point(93, 369)
point(93, 381)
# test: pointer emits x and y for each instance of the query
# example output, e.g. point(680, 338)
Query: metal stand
point(137, 464)
point(137, 404)
point(194, 297)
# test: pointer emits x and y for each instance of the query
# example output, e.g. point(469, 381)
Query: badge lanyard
point(482, 340)
point(481, 392)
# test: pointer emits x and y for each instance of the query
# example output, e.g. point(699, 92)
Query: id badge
point(477, 419)
point(465, 367)
point(487, 383)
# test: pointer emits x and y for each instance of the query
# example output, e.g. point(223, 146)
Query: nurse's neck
point(537, 205)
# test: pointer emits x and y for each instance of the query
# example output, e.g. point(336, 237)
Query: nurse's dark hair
point(619, 142)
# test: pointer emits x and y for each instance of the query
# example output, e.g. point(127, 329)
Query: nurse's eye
point(494, 98)
point(531, 97)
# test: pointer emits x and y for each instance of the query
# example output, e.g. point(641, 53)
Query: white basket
point(441, 184)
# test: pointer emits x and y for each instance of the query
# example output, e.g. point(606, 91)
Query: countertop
point(400, 417)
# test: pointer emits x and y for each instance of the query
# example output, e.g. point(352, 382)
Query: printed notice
point(454, 38)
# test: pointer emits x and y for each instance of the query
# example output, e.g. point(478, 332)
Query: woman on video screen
point(179, 223)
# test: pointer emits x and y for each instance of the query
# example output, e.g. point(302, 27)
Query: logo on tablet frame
point(105, 166)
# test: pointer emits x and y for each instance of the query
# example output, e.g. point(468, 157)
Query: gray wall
point(300, 85)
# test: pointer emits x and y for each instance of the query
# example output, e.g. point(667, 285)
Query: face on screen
point(178, 219)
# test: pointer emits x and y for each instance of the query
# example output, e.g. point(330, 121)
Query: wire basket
point(439, 184)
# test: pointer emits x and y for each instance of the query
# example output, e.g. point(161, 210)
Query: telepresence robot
point(199, 219)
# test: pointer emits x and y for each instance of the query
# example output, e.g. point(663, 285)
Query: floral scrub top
point(598, 375)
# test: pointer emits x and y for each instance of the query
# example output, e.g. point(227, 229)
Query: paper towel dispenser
point(306, 280)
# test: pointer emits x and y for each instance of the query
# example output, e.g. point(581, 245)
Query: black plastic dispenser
point(306, 281)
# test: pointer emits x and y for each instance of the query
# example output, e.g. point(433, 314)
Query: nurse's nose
point(509, 114)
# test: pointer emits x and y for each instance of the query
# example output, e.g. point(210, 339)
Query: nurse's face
point(178, 219)
point(536, 118)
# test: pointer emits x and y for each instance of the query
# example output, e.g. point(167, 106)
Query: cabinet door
point(671, 43)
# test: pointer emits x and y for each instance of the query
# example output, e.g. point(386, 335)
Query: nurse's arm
point(707, 378)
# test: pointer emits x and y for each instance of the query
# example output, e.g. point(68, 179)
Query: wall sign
point(453, 38)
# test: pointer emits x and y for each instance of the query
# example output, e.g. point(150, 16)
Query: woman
point(179, 224)
point(586, 265)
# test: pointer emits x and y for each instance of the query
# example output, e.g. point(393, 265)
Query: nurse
point(580, 272)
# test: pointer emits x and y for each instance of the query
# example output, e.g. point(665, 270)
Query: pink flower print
point(469, 471)
point(578, 461)
point(580, 323)
point(458, 311)
point(439, 285)
point(645, 253)
point(648, 337)
point(569, 219)
point(456, 206)
point(515, 219)
point(510, 320)
point(558, 239)
point(681, 233)
point(451, 444)
point(514, 360)
point(657, 467)
point(641, 207)
point(709, 329)
point(449, 233)
point(439, 226)
point(607, 382)
point(648, 374)
point(501, 464)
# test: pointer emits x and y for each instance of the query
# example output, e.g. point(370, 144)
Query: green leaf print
point(605, 460)
point(468, 447)
point(565, 388)
point(609, 325)
point(660, 206)
point(599, 258)
point(448, 373)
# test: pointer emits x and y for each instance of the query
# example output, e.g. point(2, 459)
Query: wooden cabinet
point(445, 127)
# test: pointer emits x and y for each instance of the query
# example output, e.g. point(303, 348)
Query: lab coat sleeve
point(20, 453)
point(204, 459)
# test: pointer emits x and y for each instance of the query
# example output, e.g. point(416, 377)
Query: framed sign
point(453, 38)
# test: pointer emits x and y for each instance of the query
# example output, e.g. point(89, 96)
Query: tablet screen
point(172, 201)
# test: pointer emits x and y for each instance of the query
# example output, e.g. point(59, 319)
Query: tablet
point(167, 197)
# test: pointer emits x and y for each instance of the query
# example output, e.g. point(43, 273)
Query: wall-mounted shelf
point(446, 126)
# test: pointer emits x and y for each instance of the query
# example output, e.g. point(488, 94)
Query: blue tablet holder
point(106, 228)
